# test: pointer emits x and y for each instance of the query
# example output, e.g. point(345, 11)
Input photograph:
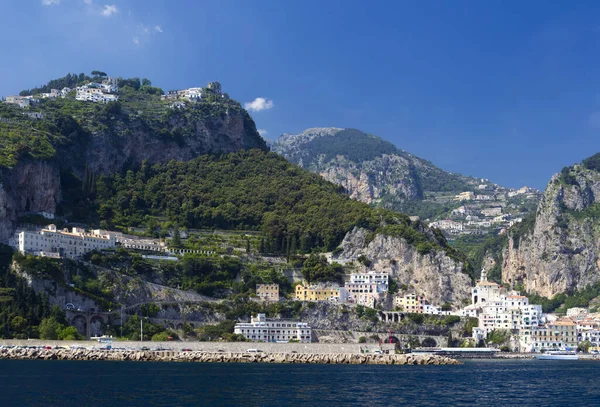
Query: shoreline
point(224, 357)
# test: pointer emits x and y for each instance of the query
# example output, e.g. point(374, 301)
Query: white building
point(489, 212)
point(498, 309)
point(260, 329)
point(448, 225)
point(51, 242)
point(366, 294)
point(98, 92)
point(381, 279)
point(577, 312)
point(592, 335)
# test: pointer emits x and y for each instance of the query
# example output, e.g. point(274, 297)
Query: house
point(268, 292)
point(490, 212)
point(366, 294)
point(411, 303)
point(577, 312)
point(465, 196)
point(261, 329)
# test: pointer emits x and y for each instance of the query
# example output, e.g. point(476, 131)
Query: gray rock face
point(32, 186)
point(562, 250)
point(229, 132)
point(435, 275)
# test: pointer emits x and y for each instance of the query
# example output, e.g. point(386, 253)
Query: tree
point(50, 328)
point(146, 82)
point(69, 333)
point(98, 73)
point(160, 337)
point(584, 346)
point(176, 241)
point(18, 324)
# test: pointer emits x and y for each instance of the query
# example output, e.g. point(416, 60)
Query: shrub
point(362, 339)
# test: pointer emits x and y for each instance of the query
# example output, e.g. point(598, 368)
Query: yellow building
point(411, 303)
point(304, 292)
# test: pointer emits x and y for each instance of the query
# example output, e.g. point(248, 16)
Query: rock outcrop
point(558, 251)
point(32, 186)
point(435, 275)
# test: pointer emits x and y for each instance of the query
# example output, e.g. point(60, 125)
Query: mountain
point(556, 251)
point(373, 170)
point(53, 150)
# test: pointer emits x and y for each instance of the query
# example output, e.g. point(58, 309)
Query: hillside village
point(504, 317)
point(489, 209)
point(496, 308)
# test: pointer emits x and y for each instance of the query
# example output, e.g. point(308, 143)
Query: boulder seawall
point(225, 357)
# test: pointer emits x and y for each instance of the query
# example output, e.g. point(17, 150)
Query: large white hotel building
point(50, 242)
point(259, 329)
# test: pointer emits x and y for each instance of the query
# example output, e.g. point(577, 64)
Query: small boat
point(558, 355)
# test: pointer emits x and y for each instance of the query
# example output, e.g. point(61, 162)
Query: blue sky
point(506, 90)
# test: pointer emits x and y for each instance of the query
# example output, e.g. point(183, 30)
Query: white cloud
point(259, 104)
point(158, 28)
point(136, 40)
point(109, 10)
point(262, 132)
point(88, 2)
point(50, 2)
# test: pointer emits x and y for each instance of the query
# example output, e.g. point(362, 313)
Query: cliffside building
point(50, 242)
point(268, 292)
point(260, 329)
point(320, 292)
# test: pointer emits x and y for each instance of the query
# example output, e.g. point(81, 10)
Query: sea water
point(475, 383)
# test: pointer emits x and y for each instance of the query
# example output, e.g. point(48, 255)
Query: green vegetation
point(317, 269)
point(561, 302)
point(252, 190)
point(353, 144)
point(498, 337)
point(476, 247)
point(209, 275)
point(68, 81)
point(592, 163)
point(426, 209)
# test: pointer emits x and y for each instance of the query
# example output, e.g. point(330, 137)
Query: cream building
point(51, 242)
point(559, 334)
point(268, 292)
point(261, 329)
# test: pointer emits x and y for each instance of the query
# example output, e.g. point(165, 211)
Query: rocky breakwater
point(222, 357)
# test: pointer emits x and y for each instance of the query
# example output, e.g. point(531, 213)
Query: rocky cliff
point(98, 140)
point(559, 250)
point(30, 186)
point(435, 275)
point(369, 168)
